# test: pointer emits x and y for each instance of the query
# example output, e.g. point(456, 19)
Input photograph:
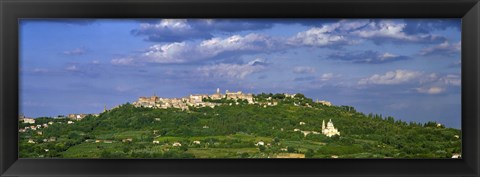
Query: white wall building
point(176, 144)
point(260, 143)
point(29, 120)
point(329, 130)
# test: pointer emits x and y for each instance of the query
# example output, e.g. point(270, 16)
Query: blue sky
point(405, 68)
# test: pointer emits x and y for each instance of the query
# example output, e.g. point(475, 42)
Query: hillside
point(236, 129)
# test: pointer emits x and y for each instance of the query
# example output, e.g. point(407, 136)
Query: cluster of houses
point(51, 139)
point(198, 100)
point(75, 117)
point(195, 100)
point(35, 127)
point(27, 120)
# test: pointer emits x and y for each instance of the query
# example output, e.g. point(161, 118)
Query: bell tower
point(323, 125)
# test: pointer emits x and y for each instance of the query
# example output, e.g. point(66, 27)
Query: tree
point(309, 153)
point(262, 148)
point(299, 95)
point(290, 149)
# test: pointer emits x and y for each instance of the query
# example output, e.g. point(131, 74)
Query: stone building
point(24, 119)
point(29, 120)
point(77, 116)
point(326, 103)
point(148, 102)
point(217, 95)
point(197, 98)
point(289, 95)
point(239, 95)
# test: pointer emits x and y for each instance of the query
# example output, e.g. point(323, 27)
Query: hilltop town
point(195, 100)
point(205, 100)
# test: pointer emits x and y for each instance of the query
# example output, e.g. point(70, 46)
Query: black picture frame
point(12, 10)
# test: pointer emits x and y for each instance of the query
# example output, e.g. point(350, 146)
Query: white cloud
point(391, 78)
point(170, 30)
point(348, 32)
point(348, 25)
point(236, 71)
point(122, 61)
point(258, 61)
point(249, 42)
point(40, 70)
point(444, 48)
point(387, 56)
point(457, 63)
point(178, 30)
point(177, 52)
point(327, 76)
point(173, 24)
point(428, 78)
point(430, 90)
point(184, 52)
point(303, 69)
point(368, 56)
point(384, 29)
point(77, 51)
point(392, 30)
point(327, 35)
point(354, 31)
point(451, 79)
point(438, 85)
point(427, 83)
point(72, 68)
point(318, 36)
